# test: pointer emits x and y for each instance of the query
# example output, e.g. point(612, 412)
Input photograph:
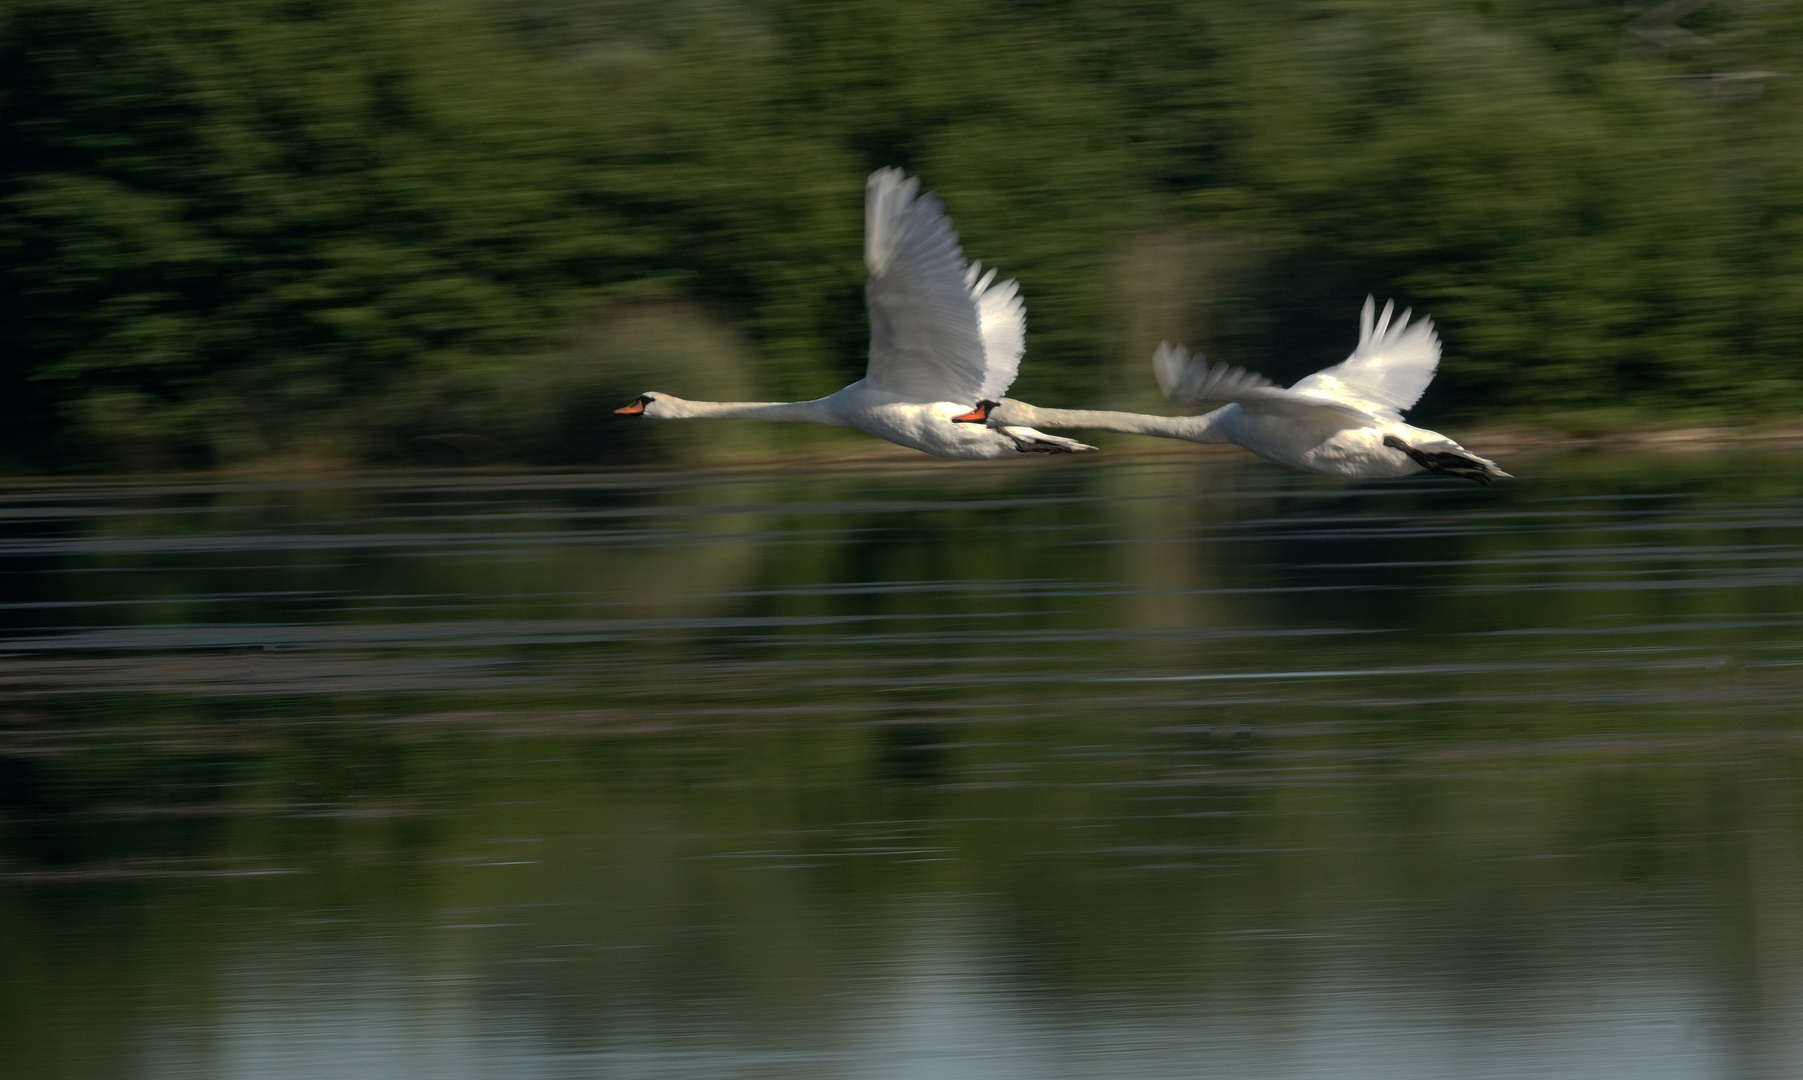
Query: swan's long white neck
point(1203, 429)
point(803, 412)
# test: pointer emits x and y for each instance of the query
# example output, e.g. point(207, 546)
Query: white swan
point(1343, 421)
point(942, 337)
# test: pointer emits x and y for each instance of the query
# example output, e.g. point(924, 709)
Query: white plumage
point(1385, 375)
point(943, 336)
point(1343, 421)
point(1388, 372)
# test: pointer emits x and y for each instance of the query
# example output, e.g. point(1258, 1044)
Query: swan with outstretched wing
point(943, 336)
point(1343, 421)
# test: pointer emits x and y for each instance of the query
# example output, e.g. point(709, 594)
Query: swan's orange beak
point(637, 408)
point(978, 415)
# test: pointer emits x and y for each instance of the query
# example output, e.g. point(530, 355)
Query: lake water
point(1135, 768)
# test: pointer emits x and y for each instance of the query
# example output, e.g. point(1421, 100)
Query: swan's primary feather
point(1186, 377)
point(1389, 370)
point(1004, 324)
point(937, 331)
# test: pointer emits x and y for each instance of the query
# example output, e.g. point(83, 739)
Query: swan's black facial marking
point(637, 408)
point(978, 415)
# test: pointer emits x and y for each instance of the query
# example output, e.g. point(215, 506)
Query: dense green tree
point(226, 220)
point(233, 228)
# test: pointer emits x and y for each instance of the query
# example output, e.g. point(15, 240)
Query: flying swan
point(942, 336)
point(1343, 421)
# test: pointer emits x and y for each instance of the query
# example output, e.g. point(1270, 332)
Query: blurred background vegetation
point(405, 231)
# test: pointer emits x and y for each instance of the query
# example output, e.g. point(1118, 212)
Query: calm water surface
point(1154, 768)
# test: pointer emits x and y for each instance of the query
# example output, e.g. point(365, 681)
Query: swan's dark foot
point(1444, 462)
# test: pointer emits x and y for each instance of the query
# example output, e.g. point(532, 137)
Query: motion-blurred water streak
point(1138, 768)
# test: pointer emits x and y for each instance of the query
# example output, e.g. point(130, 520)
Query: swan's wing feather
point(1184, 376)
point(1315, 412)
point(926, 332)
point(1389, 371)
point(1003, 317)
point(1189, 377)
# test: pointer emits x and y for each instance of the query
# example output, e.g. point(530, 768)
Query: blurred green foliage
point(398, 230)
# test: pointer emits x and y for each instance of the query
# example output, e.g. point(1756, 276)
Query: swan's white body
point(943, 336)
point(1343, 421)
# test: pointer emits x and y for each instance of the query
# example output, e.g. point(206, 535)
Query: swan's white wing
point(926, 333)
point(1188, 377)
point(1389, 370)
point(1004, 323)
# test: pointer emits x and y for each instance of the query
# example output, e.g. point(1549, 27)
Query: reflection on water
point(1054, 769)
